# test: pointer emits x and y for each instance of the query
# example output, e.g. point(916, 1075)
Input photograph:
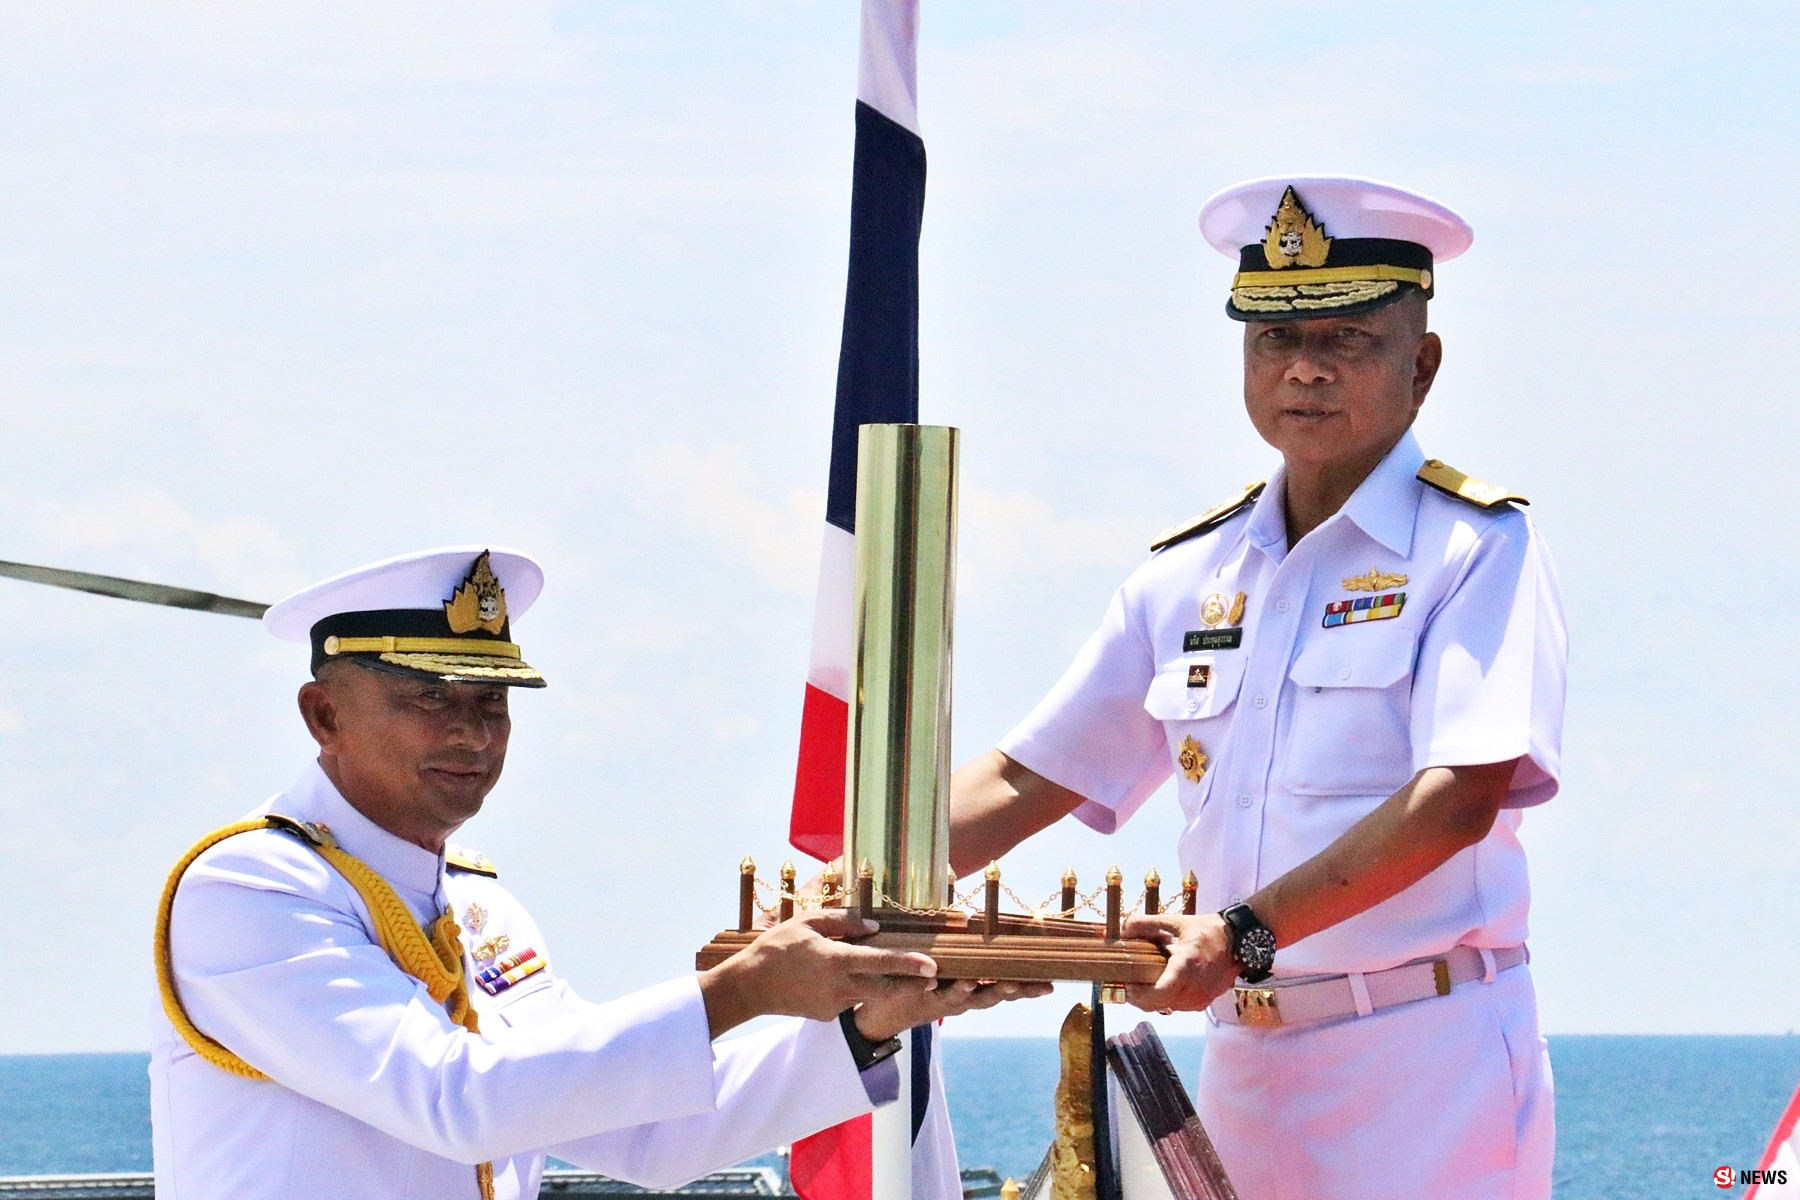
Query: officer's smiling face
point(413, 754)
point(1334, 394)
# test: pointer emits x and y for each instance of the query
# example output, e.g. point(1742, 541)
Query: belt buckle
point(1258, 1006)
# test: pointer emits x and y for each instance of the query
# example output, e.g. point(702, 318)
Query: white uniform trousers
point(1447, 1098)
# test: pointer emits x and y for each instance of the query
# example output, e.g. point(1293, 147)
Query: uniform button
point(1193, 706)
point(1344, 674)
point(1281, 606)
point(1243, 802)
point(1262, 702)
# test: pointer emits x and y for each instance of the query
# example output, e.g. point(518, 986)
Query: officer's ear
point(319, 709)
point(1426, 361)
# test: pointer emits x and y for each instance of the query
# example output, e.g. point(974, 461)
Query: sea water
point(1637, 1117)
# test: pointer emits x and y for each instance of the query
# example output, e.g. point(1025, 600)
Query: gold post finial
point(748, 866)
point(786, 912)
point(1010, 1189)
point(1114, 875)
point(1152, 879)
point(1068, 879)
point(992, 874)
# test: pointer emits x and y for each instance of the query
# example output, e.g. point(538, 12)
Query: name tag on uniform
point(1199, 675)
point(1212, 639)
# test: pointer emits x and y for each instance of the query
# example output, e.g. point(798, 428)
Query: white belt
point(1303, 1001)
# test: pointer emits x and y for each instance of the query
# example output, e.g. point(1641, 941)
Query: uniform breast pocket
point(1194, 699)
point(1349, 733)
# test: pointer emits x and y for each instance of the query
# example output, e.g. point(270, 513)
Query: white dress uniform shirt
point(374, 1092)
point(1307, 726)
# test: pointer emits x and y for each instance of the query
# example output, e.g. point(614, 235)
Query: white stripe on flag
point(887, 76)
point(829, 670)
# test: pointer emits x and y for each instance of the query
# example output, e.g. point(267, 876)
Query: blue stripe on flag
point(878, 359)
point(921, 1076)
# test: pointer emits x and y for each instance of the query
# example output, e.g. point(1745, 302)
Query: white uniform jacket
point(374, 1092)
point(1318, 694)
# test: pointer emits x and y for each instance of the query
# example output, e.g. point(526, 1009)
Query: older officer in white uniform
point(354, 1008)
point(1356, 674)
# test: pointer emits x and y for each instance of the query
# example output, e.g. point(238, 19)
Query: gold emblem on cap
point(480, 603)
point(1212, 610)
point(1374, 581)
point(1193, 760)
point(1294, 239)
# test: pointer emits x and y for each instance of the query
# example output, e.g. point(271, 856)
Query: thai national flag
point(878, 382)
point(1783, 1155)
point(904, 1149)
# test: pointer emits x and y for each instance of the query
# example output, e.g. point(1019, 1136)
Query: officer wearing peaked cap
point(353, 1007)
point(1354, 672)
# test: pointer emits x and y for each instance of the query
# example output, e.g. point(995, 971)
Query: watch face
point(1256, 949)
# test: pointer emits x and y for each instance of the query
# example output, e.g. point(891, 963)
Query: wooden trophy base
point(1022, 949)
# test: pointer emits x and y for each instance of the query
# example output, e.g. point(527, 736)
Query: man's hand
point(1200, 968)
point(796, 969)
point(883, 1017)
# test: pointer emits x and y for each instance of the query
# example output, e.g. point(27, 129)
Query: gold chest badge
point(1193, 760)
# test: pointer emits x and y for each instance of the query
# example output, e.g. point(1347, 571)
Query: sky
point(288, 288)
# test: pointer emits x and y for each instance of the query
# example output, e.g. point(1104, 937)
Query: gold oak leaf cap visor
point(1328, 245)
point(444, 614)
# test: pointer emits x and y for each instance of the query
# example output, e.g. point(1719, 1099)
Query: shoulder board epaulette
point(307, 831)
point(1211, 518)
point(1453, 482)
point(470, 860)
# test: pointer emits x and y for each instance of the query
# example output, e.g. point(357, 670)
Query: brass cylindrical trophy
point(897, 802)
point(897, 770)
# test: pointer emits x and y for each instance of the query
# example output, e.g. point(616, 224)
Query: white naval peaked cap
point(1328, 244)
point(444, 613)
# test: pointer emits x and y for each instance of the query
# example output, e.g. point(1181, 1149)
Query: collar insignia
point(1294, 239)
point(474, 918)
point(480, 603)
point(1374, 581)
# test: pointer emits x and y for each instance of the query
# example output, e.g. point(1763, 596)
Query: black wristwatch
point(1252, 943)
point(862, 1051)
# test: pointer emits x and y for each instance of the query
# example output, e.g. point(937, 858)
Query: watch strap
point(864, 1052)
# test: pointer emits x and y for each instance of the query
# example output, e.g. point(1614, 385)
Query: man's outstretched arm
point(995, 804)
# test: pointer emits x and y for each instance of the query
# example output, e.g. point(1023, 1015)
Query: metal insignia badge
point(491, 949)
point(1193, 760)
point(1236, 615)
point(1199, 675)
point(1374, 581)
point(480, 603)
point(1293, 238)
point(1212, 610)
point(474, 918)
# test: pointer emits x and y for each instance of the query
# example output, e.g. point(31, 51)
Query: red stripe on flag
point(835, 1163)
point(817, 826)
